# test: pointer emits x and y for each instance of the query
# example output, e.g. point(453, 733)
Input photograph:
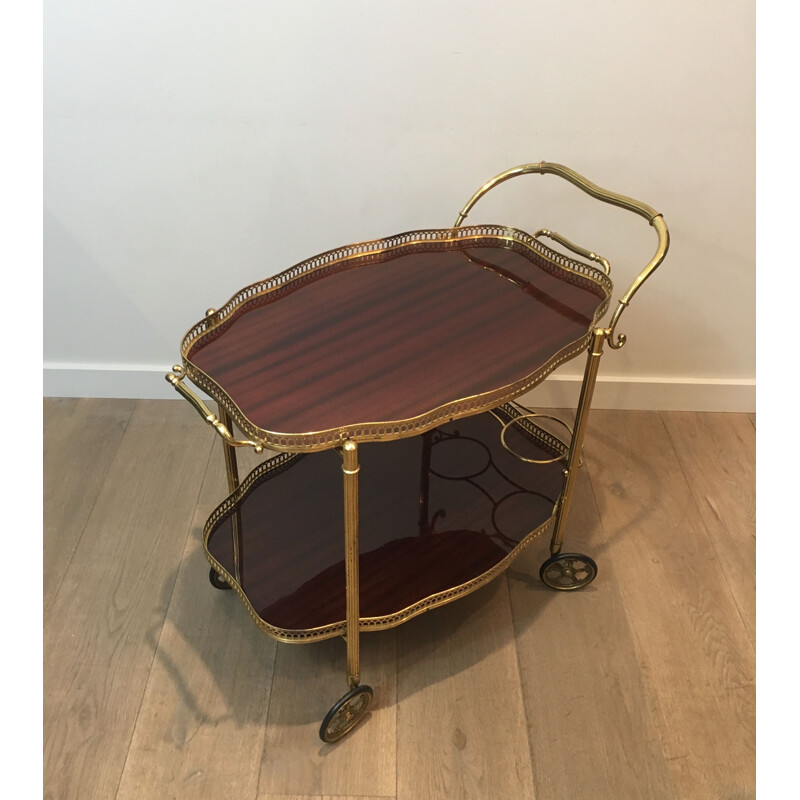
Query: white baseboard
point(648, 394)
point(107, 380)
point(558, 391)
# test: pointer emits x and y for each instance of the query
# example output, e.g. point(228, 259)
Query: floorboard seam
point(161, 628)
point(54, 594)
point(266, 717)
point(521, 687)
point(710, 538)
point(645, 683)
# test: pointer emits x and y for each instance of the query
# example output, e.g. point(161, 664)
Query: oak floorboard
point(149, 671)
point(325, 797)
point(752, 418)
point(200, 731)
point(460, 716)
point(307, 680)
point(291, 797)
point(103, 622)
point(696, 657)
point(589, 722)
point(718, 455)
point(80, 439)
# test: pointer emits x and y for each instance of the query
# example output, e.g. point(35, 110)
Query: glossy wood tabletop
point(396, 338)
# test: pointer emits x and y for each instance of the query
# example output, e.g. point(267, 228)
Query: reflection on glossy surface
point(397, 337)
point(421, 533)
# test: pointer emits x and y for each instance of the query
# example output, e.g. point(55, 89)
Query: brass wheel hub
point(568, 571)
point(346, 714)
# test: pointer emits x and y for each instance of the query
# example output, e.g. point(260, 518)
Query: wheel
point(346, 714)
point(217, 581)
point(568, 571)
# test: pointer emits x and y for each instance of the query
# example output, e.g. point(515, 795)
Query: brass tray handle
point(649, 213)
point(576, 248)
point(176, 379)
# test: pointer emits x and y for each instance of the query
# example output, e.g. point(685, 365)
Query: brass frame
point(599, 335)
point(350, 469)
point(576, 445)
point(232, 474)
point(346, 439)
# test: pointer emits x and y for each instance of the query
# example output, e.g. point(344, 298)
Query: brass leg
point(584, 403)
point(231, 467)
point(232, 472)
point(350, 709)
point(350, 469)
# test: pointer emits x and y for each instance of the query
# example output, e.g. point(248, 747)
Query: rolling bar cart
point(398, 361)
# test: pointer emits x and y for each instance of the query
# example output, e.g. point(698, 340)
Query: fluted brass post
point(232, 473)
point(350, 469)
point(576, 446)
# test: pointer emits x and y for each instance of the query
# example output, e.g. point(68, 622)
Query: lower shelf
point(440, 515)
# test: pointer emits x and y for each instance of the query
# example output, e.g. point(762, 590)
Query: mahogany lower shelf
point(440, 514)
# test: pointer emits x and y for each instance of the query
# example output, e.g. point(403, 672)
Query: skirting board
point(558, 391)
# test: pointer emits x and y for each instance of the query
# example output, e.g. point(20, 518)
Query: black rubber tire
point(324, 733)
point(217, 581)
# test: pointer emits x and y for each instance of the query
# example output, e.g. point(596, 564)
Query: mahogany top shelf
point(385, 339)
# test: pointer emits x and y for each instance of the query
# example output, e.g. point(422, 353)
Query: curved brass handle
point(628, 203)
point(663, 245)
point(576, 248)
point(176, 379)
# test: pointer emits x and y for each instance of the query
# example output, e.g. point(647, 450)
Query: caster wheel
point(217, 581)
point(346, 714)
point(568, 572)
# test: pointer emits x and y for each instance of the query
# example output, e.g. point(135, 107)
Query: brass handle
point(628, 203)
point(576, 248)
point(663, 245)
point(176, 379)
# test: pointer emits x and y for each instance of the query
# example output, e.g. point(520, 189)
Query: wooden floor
point(642, 686)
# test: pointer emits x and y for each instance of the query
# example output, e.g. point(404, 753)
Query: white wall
point(192, 147)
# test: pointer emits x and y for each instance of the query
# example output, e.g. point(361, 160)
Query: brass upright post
point(350, 469)
point(584, 403)
point(232, 472)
